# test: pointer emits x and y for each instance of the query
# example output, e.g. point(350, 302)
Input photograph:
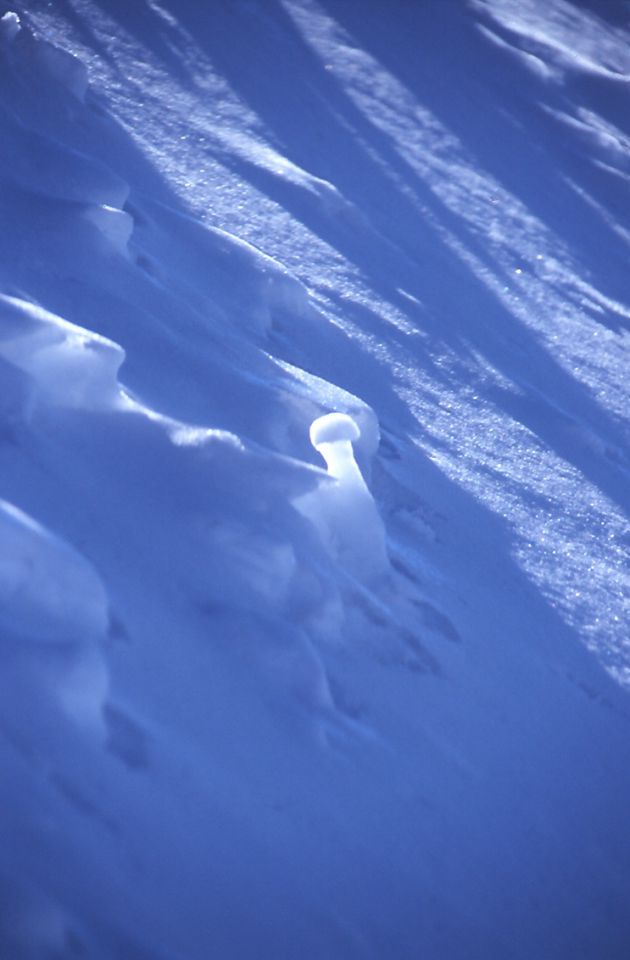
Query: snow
point(9, 26)
point(330, 434)
point(314, 579)
point(344, 512)
point(67, 364)
point(49, 593)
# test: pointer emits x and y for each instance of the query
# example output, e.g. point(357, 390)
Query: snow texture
point(314, 460)
point(48, 592)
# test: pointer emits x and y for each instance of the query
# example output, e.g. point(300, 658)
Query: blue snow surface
point(314, 465)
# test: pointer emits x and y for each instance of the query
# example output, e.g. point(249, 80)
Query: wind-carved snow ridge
point(68, 365)
point(344, 512)
point(254, 291)
point(54, 610)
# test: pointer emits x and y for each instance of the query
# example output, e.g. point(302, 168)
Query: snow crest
point(69, 366)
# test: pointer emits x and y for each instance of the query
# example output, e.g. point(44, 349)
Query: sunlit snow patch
point(69, 366)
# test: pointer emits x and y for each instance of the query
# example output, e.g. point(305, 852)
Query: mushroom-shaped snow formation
point(345, 513)
point(9, 26)
point(332, 428)
point(333, 436)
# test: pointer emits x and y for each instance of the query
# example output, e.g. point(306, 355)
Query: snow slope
point(250, 706)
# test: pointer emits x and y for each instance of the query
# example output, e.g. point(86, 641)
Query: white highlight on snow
point(70, 366)
point(328, 195)
point(10, 26)
point(332, 435)
point(344, 512)
point(185, 435)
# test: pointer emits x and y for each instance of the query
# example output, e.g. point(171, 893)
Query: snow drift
point(254, 707)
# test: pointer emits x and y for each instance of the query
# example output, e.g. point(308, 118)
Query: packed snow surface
point(314, 466)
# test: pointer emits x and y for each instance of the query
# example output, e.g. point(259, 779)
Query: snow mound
point(48, 592)
point(69, 366)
